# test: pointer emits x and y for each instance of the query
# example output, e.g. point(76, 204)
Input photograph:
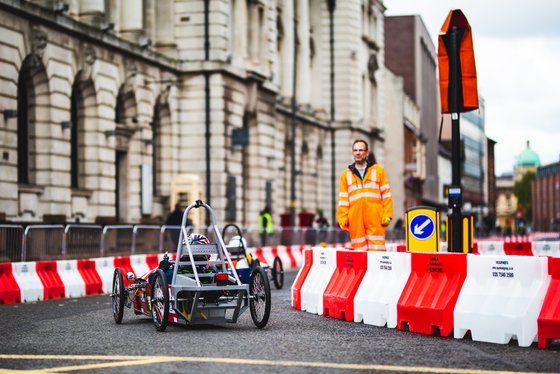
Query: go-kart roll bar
point(197, 204)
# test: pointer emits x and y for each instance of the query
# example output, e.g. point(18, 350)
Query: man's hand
point(344, 225)
point(385, 221)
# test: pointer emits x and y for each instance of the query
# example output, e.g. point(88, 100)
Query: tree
point(523, 191)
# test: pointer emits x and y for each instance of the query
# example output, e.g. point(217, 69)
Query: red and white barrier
point(502, 297)
point(105, 268)
point(324, 265)
point(74, 285)
point(546, 248)
point(9, 289)
point(28, 281)
point(377, 305)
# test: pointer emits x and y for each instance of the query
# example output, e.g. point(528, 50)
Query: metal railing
point(42, 243)
point(81, 241)
point(145, 239)
point(74, 241)
point(11, 243)
point(116, 240)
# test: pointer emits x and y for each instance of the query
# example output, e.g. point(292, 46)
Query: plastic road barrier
point(125, 264)
point(518, 249)
point(338, 299)
point(74, 285)
point(9, 289)
point(324, 264)
point(105, 267)
point(152, 261)
point(491, 248)
point(376, 299)
point(28, 281)
point(546, 249)
point(53, 286)
point(501, 297)
point(549, 318)
point(287, 260)
point(300, 278)
point(139, 265)
point(391, 247)
point(92, 280)
point(430, 294)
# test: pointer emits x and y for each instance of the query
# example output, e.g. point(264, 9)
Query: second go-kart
point(246, 262)
point(199, 286)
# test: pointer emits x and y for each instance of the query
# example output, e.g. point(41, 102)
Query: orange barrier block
point(549, 318)
point(401, 248)
point(338, 298)
point(9, 289)
point(52, 284)
point(475, 248)
point(519, 249)
point(126, 266)
point(429, 297)
point(94, 284)
point(300, 279)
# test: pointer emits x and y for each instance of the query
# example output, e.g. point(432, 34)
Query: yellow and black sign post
point(468, 238)
point(422, 229)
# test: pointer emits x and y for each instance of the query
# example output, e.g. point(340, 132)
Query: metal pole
point(331, 4)
point(456, 218)
point(293, 145)
point(207, 101)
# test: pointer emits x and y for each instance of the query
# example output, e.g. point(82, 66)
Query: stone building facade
point(105, 102)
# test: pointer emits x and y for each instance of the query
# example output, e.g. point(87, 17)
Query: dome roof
point(528, 157)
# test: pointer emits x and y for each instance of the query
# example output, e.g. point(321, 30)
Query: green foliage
point(523, 191)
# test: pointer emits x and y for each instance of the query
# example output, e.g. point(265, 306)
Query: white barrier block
point(28, 280)
point(546, 248)
point(376, 299)
point(443, 246)
point(491, 248)
point(139, 265)
point(74, 285)
point(324, 265)
point(502, 296)
point(105, 268)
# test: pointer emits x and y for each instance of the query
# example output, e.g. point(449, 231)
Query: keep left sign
point(422, 229)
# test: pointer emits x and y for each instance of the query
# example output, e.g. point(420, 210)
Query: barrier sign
point(422, 229)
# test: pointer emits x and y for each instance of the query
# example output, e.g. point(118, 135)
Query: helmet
point(196, 238)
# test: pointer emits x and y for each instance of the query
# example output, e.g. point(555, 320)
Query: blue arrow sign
point(422, 227)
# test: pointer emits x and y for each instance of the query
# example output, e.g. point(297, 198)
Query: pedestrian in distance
point(175, 218)
point(365, 205)
point(265, 225)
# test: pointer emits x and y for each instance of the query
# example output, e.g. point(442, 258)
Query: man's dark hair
point(360, 141)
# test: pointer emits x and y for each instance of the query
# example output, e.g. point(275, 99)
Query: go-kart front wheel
point(118, 295)
point(259, 301)
point(277, 272)
point(160, 300)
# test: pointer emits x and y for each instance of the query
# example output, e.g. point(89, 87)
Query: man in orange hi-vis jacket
point(365, 205)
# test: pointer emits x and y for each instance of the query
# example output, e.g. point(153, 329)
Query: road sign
point(422, 229)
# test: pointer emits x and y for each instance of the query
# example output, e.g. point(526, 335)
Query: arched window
point(74, 174)
point(22, 132)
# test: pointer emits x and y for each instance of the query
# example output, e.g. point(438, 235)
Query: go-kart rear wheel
point(277, 272)
point(118, 295)
point(259, 301)
point(160, 300)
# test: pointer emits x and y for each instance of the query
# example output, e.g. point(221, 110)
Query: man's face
point(359, 152)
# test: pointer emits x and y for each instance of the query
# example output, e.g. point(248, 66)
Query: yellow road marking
point(143, 360)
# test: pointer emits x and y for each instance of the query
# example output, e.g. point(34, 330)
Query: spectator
point(265, 225)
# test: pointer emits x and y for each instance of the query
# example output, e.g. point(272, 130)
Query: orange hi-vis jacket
point(363, 204)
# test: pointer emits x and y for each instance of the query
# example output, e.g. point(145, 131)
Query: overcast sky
point(517, 52)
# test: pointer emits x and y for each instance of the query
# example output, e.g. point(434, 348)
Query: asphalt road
point(80, 335)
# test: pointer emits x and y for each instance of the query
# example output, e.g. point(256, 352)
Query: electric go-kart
point(201, 286)
point(246, 262)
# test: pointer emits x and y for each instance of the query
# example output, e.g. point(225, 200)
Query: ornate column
point(239, 31)
point(303, 58)
point(92, 12)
